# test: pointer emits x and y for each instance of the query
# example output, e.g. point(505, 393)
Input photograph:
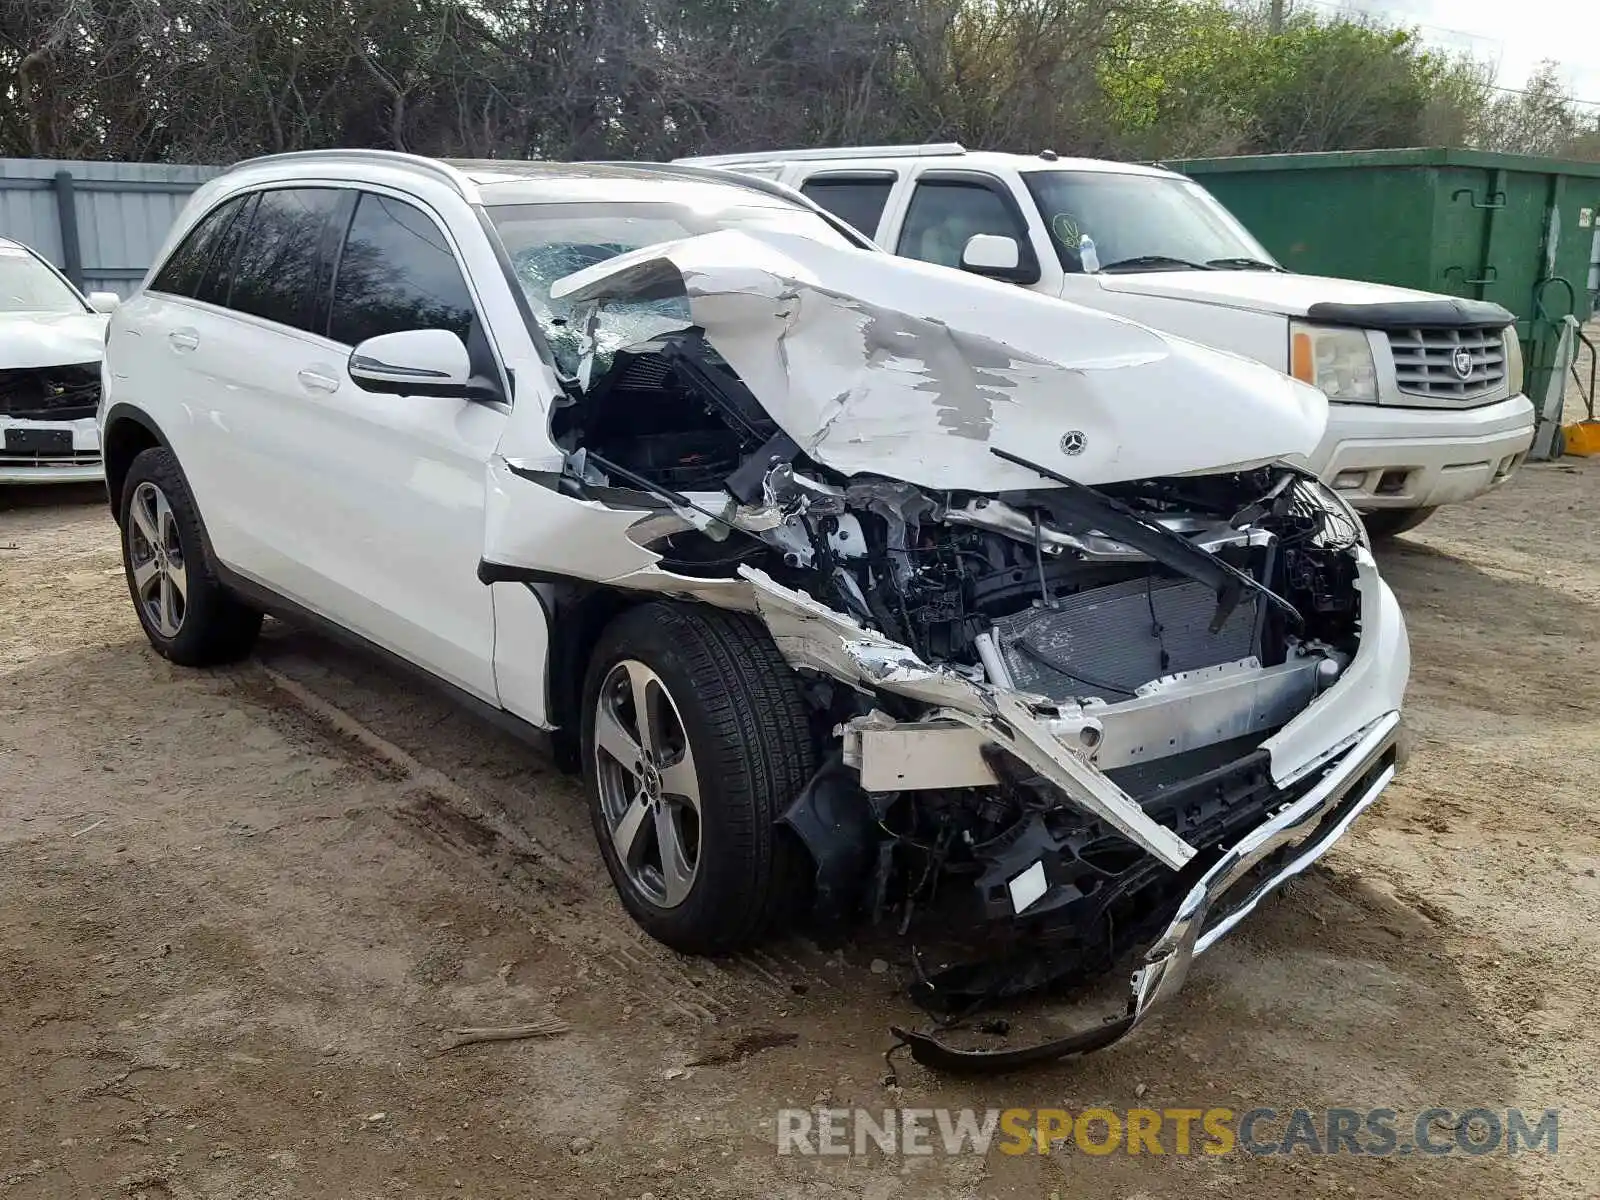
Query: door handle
point(183, 339)
point(316, 381)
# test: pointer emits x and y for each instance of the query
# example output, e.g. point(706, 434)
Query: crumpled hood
point(881, 365)
point(32, 339)
point(1259, 291)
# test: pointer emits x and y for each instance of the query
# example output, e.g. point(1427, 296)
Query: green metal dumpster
point(1510, 228)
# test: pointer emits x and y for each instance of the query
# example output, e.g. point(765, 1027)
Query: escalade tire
point(186, 613)
point(710, 872)
point(1387, 522)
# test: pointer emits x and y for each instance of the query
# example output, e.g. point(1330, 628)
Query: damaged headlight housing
point(1339, 361)
point(1341, 516)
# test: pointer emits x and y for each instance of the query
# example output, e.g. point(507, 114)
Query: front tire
point(185, 611)
point(1388, 522)
point(695, 738)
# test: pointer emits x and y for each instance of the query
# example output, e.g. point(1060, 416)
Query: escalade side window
point(857, 198)
point(185, 269)
point(397, 272)
point(945, 214)
point(279, 256)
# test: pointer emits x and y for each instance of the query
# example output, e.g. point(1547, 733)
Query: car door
point(162, 360)
point(247, 350)
point(400, 493)
point(947, 207)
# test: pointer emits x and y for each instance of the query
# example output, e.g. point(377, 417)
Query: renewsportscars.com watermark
point(1374, 1132)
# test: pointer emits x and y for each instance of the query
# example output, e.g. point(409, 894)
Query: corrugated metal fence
point(100, 222)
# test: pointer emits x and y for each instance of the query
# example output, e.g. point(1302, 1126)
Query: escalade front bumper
point(1380, 456)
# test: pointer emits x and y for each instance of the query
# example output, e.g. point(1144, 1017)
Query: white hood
point(1259, 291)
point(880, 365)
point(37, 339)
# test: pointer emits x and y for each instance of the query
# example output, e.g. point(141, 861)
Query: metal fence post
point(67, 214)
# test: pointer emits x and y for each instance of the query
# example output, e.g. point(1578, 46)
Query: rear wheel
point(1387, 522)
point(186, 613)
point(695, 739)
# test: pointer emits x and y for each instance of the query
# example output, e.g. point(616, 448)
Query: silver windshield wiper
point(1158, 262)
point(1245, 263)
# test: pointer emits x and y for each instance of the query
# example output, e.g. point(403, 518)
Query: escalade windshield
point(1143, 222)
point(547, 242)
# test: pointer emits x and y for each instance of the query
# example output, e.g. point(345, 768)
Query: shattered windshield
point(1153, 221)
point(27, 285)
point(547, 242)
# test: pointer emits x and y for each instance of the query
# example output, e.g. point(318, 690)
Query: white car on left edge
point(51, 338)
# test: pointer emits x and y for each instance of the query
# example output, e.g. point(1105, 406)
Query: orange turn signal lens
point(1302, 361)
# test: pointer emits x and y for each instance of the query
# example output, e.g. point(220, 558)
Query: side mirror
point(991, 254)
point(413, 362)
point(104, 302)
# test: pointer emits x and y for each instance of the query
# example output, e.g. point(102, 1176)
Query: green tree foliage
point(1208, 78)
point(218, 80)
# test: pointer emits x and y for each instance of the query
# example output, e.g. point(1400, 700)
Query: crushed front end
point(1054, 749)
point(1069, 707)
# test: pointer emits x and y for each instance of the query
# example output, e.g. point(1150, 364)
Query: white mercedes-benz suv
point(860, 589)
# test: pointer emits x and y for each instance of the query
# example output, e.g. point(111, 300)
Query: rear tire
point(186, 612)
point(686, 813)
point(1387, 522)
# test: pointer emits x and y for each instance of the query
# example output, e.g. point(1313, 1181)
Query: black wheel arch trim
point(576, 611)
point(123, 412)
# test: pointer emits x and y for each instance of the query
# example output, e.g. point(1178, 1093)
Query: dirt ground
point(238, 910)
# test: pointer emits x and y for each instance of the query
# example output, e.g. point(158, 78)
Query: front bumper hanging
point(1300, 833)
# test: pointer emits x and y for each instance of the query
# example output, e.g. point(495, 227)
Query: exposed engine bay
point(1246, 579)
point(1066, 707)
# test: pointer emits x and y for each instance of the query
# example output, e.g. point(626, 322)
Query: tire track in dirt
point(556, 896)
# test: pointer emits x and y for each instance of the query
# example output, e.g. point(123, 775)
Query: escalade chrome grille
point(1448, 364)
point(50, 393)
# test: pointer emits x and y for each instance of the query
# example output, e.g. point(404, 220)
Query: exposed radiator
point(1110, 640)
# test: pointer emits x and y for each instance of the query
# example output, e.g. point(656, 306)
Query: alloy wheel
point(649, 787)
point(155, 556)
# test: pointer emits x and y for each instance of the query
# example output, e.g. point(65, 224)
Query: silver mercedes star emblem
point(1073, 442)
point(1462, 362)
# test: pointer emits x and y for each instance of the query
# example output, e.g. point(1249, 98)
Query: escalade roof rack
point(712, 173)
point(927, 150)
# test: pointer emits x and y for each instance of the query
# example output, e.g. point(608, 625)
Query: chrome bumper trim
point(1167, 962)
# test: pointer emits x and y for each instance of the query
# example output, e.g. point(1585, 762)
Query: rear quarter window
point(185, 268)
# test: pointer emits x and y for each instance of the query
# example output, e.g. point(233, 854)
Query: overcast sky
point(1516, 35)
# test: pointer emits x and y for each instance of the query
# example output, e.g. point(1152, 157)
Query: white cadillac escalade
point(1426, 390)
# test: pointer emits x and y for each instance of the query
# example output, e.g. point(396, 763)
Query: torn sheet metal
point(1372, 685)
point(1302, 832)
point(901, 368)
point(811, 636)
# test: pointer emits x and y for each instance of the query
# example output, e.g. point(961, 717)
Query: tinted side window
point(944, 215)
point(397, 272)
point(218, 278)
point(858, 201)
point(181, 274)
point(280, 253)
